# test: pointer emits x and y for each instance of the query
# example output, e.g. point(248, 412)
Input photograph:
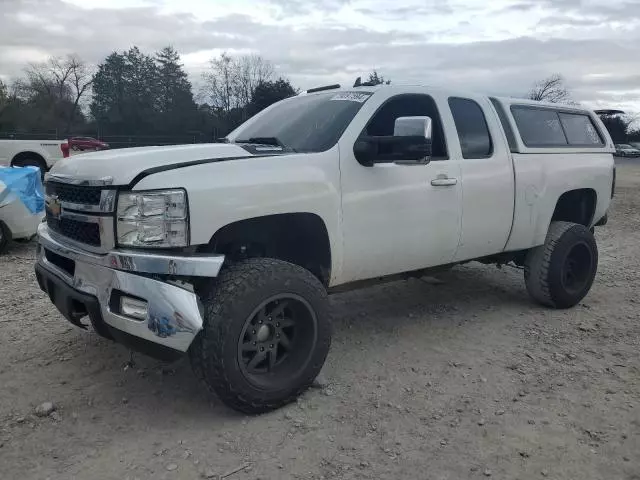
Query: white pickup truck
point(226, 252)
point(37, 153)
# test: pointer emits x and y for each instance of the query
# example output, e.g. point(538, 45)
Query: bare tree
point(219, 83)
point(79, 80)
point(551, 89)
point(47, 80)
point(4, 97)
point(231, 81)
point(59, 83)
point(251, 70)
point(4, 94)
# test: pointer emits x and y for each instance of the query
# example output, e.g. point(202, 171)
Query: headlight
point(153, 219)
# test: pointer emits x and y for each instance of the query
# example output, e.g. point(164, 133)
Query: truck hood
point(123, 166)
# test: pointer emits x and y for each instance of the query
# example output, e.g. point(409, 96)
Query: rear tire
point(32, 162)
point(560, 273)
point(266, 334)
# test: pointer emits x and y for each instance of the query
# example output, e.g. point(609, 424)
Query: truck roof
point(537, 103)
point(447, 91)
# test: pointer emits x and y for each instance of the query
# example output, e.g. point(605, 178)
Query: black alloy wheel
point(577, 268)
point(277, 340)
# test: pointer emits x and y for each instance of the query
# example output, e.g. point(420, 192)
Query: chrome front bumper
point(81, 283)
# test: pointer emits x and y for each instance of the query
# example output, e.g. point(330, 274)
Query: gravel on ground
point(462, 378)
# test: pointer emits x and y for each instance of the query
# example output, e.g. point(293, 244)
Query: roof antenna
point(358, 82)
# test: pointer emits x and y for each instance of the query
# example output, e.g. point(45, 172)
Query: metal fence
point(50, 135)
point(120, 141)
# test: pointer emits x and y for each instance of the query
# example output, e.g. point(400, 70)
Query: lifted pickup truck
point(226, 252)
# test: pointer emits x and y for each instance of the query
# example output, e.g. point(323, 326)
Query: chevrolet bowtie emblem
point(54, 206)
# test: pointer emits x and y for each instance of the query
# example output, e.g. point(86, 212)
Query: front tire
point(266, 334)
point(5, 237)
point(560, 273)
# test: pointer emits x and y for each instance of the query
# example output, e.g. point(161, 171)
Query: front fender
point(225, 192)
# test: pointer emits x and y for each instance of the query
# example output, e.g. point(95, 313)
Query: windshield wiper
point(272, 141)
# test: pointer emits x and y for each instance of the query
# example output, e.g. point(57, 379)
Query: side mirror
point(416, 134)
point(413, 126)
point(410, 144)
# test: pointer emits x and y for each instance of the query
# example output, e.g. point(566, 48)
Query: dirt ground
point(425, 380)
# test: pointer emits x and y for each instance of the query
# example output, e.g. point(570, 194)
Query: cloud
point(297, 7)
point(400, 13)
point(502, 49)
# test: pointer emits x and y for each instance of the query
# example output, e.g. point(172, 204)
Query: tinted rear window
point(580, 129)
point(539, 127)
point(473, 132)
point(545, 127)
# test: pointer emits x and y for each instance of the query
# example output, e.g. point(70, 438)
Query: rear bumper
point(81, 284)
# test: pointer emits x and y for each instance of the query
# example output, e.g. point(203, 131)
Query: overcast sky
point(492, 46)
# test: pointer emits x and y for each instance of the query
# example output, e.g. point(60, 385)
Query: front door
point(399, 218)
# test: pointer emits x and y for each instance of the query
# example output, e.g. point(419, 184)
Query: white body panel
point(542, 175)
point(384, 219)
point(49, 150)
point(487, 191)
point(17, 217)
point(394, 220)
point(123, 165)
point(542, 178)
point(225, 192)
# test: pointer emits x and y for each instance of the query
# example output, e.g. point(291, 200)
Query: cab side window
point(383, 121)
point(473, 132)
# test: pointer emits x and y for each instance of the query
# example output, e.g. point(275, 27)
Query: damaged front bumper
point(83, 284)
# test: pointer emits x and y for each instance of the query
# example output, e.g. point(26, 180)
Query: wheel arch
point(576, 206)
point(27, 155)
point(301, 238)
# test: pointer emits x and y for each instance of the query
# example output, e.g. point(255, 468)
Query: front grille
point(83, 232)
point(74, 193)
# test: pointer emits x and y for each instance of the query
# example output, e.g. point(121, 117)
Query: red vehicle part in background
point(86, 143)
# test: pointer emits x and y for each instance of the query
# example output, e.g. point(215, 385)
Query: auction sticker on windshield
point(359, 97)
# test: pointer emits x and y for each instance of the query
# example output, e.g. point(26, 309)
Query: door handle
point(444, 182)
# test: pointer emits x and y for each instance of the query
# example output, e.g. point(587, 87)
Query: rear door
point(481, 149)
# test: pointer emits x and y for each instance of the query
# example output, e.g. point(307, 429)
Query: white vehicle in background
point(226, 252)
point(21, 204)
point(627, 150)
point(37, 153)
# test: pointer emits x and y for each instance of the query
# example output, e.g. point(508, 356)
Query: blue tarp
point(26, 184)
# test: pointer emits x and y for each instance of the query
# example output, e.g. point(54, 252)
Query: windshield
point(307, 123)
